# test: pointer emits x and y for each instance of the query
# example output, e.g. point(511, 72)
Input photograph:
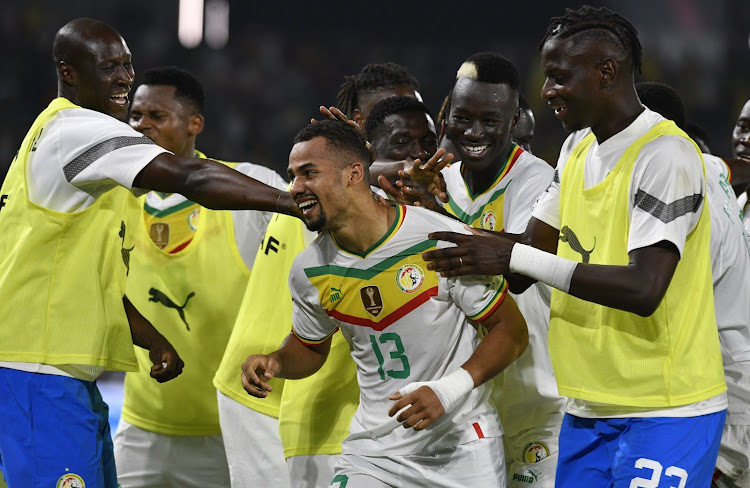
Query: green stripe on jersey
point(366, 274)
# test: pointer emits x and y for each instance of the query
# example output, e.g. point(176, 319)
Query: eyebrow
point(301, 168)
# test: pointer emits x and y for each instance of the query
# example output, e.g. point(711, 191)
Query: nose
point(125, 74)
point(548, 89)
point(297, 188)
point(474, 130)
point(417, 151)
point(140, 124)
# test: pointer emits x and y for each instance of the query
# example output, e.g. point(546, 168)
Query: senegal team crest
point(70, 480)
point(488, 220)
point(371, 299)
point(409, 278)
point(159, 233)
point(535, 452)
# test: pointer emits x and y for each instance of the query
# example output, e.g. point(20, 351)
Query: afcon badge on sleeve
point(70, 480)
point(409, 278)
point(535, 452)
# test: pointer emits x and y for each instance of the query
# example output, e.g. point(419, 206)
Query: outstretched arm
point(167, 364)
point(213, 185)
point(637, 287)
point(506, 339)
point(293, 360)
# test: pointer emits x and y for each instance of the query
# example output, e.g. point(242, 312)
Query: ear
point(356, 173)
point(195, 124)
point(67, 73)
point(359, 118)
point(516, 117)
point(442, 131)
point(608, 70)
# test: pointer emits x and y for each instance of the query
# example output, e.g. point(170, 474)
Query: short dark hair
point(341, 136)
point(391, 106)
point(696, 132)
point(489, 67)
point(598, 24)
point(372, 78)
point(664, 100)
point(187, 87)
point(486, 67)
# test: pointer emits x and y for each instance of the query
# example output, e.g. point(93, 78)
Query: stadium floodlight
point(217, 23)
point(190, 23)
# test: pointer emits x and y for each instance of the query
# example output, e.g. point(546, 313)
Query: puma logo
point(336, 294)
point(567, 235)
point(160, 297)
point(125, 252)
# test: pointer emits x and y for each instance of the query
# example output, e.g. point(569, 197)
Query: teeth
point(476, 149)
point(560, 109)
point(307, 204)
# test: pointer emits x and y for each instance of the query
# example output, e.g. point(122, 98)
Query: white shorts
point(312, 471)
point(253, 446)
point(478, 463)
point(734, 455)
point(531, 456)
point(146, 459)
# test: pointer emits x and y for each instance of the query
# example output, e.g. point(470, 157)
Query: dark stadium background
point(285, 58)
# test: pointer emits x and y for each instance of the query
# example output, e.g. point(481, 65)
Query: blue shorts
point(657, 452)
point(54, 431)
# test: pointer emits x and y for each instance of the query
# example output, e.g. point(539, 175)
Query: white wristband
point(449, 389)
point(542, 266)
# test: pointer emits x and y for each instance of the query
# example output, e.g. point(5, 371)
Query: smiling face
point(164, 119)
point(318, 184)
point(104, 75)
point(572, 83)
point(406, 136)
point(741, 134)
point(481, 119)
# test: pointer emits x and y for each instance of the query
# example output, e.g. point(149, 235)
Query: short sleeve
point(478, 296)
point(250, 225)
point(310, 322)
point(82, 154)
point(667, 193)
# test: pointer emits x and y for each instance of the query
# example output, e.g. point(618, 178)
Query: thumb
point(411, 387)
point(474, 230)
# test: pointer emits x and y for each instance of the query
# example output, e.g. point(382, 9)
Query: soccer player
point(67, 220)
point(730, 260)
point(188, 276)
point(741, 149)
point(424, 413)
point(493, 187)
point(314, 417)
point(360, 92)
point(523, 132)
point(633, 336)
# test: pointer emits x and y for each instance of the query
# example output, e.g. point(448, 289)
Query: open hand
point(257, 370)
point(478, 253)
point(424, 407)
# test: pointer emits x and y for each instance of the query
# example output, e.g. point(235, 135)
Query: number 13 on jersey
point(397, 366)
